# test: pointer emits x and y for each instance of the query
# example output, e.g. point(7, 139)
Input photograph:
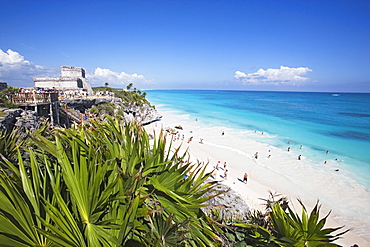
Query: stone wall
point(74, 72)
point(58, 83)
point(72, 78)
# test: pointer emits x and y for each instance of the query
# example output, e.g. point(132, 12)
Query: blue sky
point(243, 45)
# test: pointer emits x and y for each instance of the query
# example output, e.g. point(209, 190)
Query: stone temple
point(73, 78)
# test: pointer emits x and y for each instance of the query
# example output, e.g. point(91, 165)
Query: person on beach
point(269, 156)
point(256, 155)
point(223, 133)
point(214, 174)
point(201, 141)
point(225, 165)
point(288, 149)
point(225, 174)
point(190, 139)
point(300, 147)
point(325, 162)
point(245, 178)
point(218, 164)
point(299, 157)
point(327, 151)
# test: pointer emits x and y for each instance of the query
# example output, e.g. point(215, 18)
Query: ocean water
point(319, 122)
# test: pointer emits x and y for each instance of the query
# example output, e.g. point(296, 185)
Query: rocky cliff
point(230, 204)
point(143, 114)
point(28, 120)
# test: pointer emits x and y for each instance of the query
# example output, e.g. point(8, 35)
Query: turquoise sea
point(335, 122)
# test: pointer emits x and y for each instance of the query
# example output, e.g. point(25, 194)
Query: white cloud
point(283, 75)
point(17, 71)
point(102, 76)
point(12, 57)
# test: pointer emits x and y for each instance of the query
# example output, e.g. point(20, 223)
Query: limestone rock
point(231, 205)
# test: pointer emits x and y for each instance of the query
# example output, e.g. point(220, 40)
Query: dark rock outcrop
point(28, 121)
point(8, 122)
point(25, 121)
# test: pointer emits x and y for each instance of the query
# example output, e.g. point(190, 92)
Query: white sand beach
point(263, 175)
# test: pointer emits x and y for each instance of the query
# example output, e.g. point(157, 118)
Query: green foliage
point(244, 234)
point(10, 89)
point(279, 226)
point(5, 102)
point(129, 96)
point(107, 108)
point(235, 233)
point(103, 184)
point(306, 230)
point(10, 143)
point(108, 184)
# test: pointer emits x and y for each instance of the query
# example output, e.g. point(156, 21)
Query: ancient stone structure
point(73, 78)
point(44, 104)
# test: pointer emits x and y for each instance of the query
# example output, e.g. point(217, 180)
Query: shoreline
point(261, 178)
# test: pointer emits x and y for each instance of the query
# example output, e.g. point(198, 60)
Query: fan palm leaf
point(100, 185)
point(304, 230)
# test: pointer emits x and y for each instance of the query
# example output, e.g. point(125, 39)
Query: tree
point(106, 84)
point(129, 86)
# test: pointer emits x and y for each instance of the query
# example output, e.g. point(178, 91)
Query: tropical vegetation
point(131, 100)
point(108, 183)
point(102, 184)
point(281, 226)
point(5, 102)
point(132, 96)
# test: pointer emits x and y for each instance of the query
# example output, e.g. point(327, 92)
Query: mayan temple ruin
point(73, 78)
